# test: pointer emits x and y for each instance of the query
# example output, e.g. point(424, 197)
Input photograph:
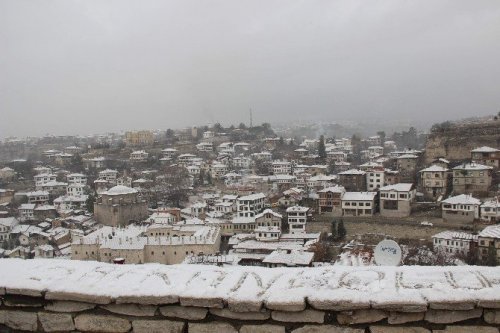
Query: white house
point(250, 205)
point(454, 242)
point(77, 178)
point(358, 203)
point(297, 218)
point(490, 211)
point(205, 146)
point(108, 175)
point(461, 208)
point(6, 226)
point(281, 167)
point(38, 197)
point(26, 212)
point(75, 189)
point(44, 178)
point(139, 156)
point(395, 200)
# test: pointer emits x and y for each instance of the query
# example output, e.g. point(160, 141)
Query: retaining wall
point(59, 295)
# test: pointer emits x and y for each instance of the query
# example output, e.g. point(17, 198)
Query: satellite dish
point(388, 253)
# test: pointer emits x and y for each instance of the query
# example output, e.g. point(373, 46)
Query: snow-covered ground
point(374, 284)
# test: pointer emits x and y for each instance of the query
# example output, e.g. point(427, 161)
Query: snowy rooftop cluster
point(323, 287)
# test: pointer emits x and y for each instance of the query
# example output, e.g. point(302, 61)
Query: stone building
point(489, 239)
point(395, 200)
point(330, 200)
point(434, 181)
point(472, 178)
point(133, 244)
point(120, 205)
point(353, 180)
point(487, 156)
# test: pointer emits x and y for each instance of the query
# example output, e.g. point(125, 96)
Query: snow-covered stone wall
point(61, 295)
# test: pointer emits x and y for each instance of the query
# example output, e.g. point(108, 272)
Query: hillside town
point(251, 196)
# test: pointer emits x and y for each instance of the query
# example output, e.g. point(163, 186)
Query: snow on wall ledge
point(62, 295)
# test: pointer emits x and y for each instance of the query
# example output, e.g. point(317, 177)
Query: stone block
point(20, 320)
point(101, 323)
point(467, 329)
point(396, 318)
point(24, 292)
point(489, 304)
point(213, 327)
point(306, 316)
point(405, 329)
point(262, 329)
point(327, 329)
point(226, 313)
point(157, 326)
point(452, 306)
point(131, 309)
point(288, 306)
point(56, 322)
point(212, 302)
point(492, 316)
point(449, 317)
point(68, 306)
point(244, 306)
point(184, 312)
point(77, 297)
point(333, 305)
point(361, 316)
point(401, 306)
point(147, 300)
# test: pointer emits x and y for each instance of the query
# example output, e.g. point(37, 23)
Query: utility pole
point(251, 119)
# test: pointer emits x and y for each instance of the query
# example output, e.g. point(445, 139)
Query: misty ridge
point(83, 67)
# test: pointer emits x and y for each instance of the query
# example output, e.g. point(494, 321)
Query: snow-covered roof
point(352, 172)
point(455, 235)
point(359, 196)
point(255, 196)
point(27, 206)
point(404, 156)
point(494, 203)
point(107, 171)
point(268, 211)
point(400, 187)
point(261, 245)
point(297, 209)
point(434, 168)
point(120, 190)
point(334, 189)
point(472, 166)
point(492, 231)
point(485, 149)
point(8, 222)
point(462, 199)
point(289, 258)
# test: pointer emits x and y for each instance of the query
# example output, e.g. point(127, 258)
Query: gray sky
point(92, 66)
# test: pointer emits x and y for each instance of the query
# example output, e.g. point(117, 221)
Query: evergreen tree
point(90, 203)
point(341, 230)
point(492, 260)
point(321, 147)
point(334, 230)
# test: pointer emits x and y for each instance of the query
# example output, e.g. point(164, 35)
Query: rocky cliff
point(454, 141)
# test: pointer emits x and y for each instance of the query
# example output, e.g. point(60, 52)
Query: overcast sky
point(93, 66)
